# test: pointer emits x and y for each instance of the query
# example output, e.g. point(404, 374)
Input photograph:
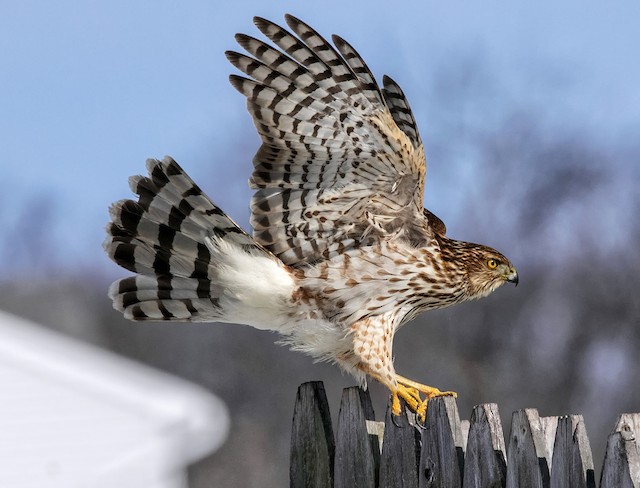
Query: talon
point(437, 393)
point(410, 392)
point(395, 404)
point(421, 413)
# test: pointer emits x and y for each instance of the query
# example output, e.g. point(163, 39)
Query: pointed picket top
point(485, 464)
point(400, 452)
point(621, 467)
point(528, 457)
point(572, 459)
point(312, 444)
point(442, 457)
point(357, 453)
point(629, 423)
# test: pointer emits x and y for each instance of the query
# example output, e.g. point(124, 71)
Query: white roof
point(74, 415)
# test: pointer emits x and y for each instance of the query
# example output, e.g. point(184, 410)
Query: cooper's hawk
point(342, 253)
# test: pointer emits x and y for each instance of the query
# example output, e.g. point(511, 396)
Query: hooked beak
point(512, 277)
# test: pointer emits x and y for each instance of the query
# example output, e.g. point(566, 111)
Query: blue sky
point(91, 89)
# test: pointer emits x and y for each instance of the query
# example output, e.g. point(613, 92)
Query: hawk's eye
point(492, 264)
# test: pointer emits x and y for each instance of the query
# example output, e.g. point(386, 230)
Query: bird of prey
point(342, 253)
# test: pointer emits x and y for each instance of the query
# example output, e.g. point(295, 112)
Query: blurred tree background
point(505, 169)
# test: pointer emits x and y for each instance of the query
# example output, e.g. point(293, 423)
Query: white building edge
point(73, 415)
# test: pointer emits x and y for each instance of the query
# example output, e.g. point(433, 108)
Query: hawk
point(343, 252)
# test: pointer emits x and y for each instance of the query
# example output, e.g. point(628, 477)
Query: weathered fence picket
point(528, 457)
point(442, 457)
point(353, 437)
point(485, 463)
point(621, 460)
point(312, 445)
point(545, 452)
point(400, 452)
point(572, 463)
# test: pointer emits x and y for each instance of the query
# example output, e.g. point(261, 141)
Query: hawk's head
point(486, 270)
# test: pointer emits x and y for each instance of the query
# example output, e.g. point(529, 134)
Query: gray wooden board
point(572, 465)
point(621, 467)
point(312, 444)
point(527, 457)
point(485, 463)
point(442, 456)
point(357, 453)
point(400, 452)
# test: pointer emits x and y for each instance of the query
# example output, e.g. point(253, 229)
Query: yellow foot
point(410, 392)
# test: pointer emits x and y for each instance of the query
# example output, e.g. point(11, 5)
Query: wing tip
point(387, 81)
point(233, 56)
point(238, 82)
point(289, 18)
point(260, 21)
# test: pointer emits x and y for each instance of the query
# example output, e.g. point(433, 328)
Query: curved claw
point(421, 422)
point(393, 419)
point(412, 401)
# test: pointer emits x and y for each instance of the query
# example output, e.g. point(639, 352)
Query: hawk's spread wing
point(341, 164)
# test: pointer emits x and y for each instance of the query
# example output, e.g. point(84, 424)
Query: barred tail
point(192, 262)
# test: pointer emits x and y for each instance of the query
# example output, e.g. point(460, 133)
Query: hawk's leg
point(372, 343)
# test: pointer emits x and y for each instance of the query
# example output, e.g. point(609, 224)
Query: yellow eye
point(492, 264)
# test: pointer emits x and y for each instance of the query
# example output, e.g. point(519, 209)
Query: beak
point(512, 277)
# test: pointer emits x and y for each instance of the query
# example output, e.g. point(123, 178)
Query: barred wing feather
point(341, 164)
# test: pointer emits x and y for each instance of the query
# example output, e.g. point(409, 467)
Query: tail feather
point(139, 256)
point(147, 246)
point(192, 262)
point(165, 298)
point(170, 197)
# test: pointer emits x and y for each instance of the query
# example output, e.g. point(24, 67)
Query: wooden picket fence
point(543, 452)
